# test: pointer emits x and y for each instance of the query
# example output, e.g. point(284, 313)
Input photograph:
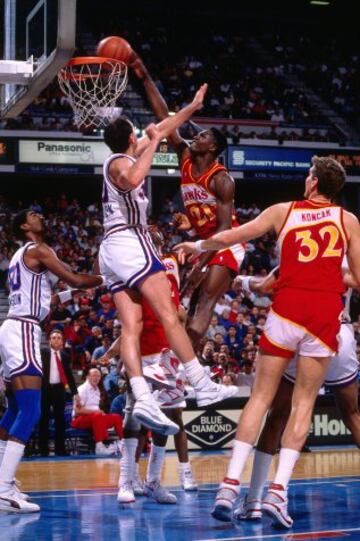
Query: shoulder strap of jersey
point(291, 207)
point(209, 175)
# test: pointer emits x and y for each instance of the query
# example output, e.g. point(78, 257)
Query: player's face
point(309, 182)
point(35, 221)
point(202, 142)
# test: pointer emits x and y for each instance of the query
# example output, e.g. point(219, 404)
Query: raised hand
point(199, 96)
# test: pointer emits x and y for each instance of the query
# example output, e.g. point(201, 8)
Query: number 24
point(313, 246)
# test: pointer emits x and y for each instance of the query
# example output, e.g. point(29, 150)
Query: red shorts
point(304, 321)
point(230, 258)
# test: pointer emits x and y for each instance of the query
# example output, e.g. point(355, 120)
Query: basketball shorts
point(20, 348)
point(230, 258)
point(303, 321)
point(127, 257)
point(343, 367)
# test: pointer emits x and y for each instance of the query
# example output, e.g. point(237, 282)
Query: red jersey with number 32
point(312, 243)
point(200, 202)
point(153, 338)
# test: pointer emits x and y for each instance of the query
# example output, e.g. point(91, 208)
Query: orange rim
point(86, 60)
point(78, 60)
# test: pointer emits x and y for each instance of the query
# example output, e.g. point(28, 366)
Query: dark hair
point(116, 134)
point(56, 331)
point(330, 174)
point(220, 140)
point(19, 219)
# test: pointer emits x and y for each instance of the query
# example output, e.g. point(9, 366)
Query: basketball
point(115, 47)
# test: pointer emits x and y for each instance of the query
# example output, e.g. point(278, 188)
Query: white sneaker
point(275, 504)
point(148, 413)
point(159, 493)
point(226, 496)
point(101, 449)
point(156, 374)
point(170, 398)
point(16, 486)
point(138, 486)
point(11, 502)
point(214, 392)
point(248, 509)
point(187, 481)
point(126, 493)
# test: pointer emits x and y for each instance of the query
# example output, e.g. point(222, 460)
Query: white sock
point(196, 374)
point(259, 475)
point(139, 387)
point(287, 461)
point(10, 462)
point(184, 466)
point(240, 454)
point(155, 464)
point(127, 462)
point(2, 449)
point(137, 470)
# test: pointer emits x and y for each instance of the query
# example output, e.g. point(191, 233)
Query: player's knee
point(29, 410)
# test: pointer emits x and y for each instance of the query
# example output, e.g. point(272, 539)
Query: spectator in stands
point(214, 328)
point(87, 414)
point(57, 380)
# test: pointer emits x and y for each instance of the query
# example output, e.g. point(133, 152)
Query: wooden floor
point(43, 475)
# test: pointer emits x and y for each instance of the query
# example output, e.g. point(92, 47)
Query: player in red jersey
point(208, 194)
point(160, 366)
point(313, 236)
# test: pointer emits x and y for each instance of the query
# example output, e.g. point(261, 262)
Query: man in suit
point(57, 379)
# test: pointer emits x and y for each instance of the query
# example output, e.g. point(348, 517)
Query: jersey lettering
point(14, 277)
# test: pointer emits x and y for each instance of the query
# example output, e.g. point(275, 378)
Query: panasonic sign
point(63, 152)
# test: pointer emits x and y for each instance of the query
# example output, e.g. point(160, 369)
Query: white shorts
point(127, 257)
point(286, 338)
point(20, 348)
point(343, 367)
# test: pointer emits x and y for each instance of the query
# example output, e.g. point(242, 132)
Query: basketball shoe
point(159, 493)
point(12, 502)
point(275, 504)
point(248, 509)
point(187, 480)
point(209, 392)
point(126, 493)
point(154, 373)
point(148, 413)
point(226, 496)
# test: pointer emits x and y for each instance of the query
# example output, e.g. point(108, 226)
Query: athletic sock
point(259, 475)
point(240, 454)
point(287, 461)
point(10, 463)
point(184, 466)
point(155, 464)
point(2, 449)
point(127, 462)
point(139, 387)
point(196, 374)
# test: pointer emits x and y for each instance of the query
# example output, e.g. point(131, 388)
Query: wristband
point(245, 282)
point(198, 248)
point(65, 296)
point(191, 232)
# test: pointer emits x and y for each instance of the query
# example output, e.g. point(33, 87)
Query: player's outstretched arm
point(352, 228)
point(269, 219)
point(44, 255)
point(257, 284)
point(171, 123)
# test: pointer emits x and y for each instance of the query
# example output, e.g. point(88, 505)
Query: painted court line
point(284, 536)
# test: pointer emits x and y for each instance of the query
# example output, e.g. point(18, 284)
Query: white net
point(93, 86)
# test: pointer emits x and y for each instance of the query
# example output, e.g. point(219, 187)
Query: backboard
point(37, 38)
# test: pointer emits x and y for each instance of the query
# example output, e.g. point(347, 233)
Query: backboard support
point(39, 39)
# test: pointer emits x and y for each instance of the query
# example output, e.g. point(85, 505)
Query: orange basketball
point(115, 47)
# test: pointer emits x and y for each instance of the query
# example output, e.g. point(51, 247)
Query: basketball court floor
point(78, 501)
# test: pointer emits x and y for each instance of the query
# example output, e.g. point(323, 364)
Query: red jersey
point(153, 338)
point(200, 202)
point(312, 243)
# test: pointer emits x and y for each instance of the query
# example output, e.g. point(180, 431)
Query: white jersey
point(30, 292)
point(122, 207)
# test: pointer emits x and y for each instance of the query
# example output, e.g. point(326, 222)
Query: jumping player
point(132, 267)
point(155, 353)
point(313, 236)
point(30, 283)
point(208, 194)
point(341, 377)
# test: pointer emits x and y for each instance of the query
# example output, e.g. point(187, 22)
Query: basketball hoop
point(93, 85)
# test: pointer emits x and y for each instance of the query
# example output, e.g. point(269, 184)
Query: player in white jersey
point(132, 267)
point(31, 273)
point(341, 377)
